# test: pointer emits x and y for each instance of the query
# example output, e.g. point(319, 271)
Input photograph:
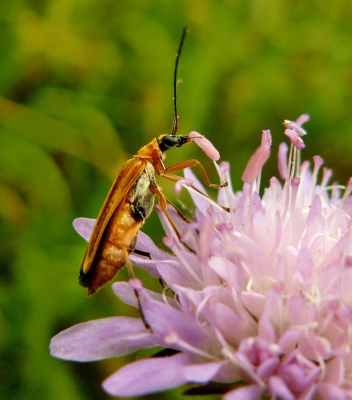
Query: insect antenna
point(175, 116)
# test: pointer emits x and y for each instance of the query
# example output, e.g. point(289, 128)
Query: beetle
point(127, 206)
point(129, 203)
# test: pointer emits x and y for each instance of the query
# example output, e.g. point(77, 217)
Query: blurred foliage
point(84, 84)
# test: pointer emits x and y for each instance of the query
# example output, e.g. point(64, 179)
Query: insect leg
point(162, 203)
point(141, 253)
point(128, 238)
point(190, 163)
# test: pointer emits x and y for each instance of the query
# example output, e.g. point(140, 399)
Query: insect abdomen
point(121, 233)
point(112, 256)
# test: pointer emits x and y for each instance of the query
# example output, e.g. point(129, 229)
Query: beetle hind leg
point(141, 253)
point(129, 238)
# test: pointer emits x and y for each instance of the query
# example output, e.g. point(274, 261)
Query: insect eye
point(168, 141)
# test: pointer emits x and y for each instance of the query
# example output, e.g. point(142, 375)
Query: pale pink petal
point(268, 368)
point(101, 338)
point(148, 376)
point(315, 347)
point(84, 226)
point(181, 183)
point(254, 302)
point(124, 292)
point(161, 317)
point(298, 372)
point(145, 244)
point(202, 203)
point(152, 256)
point(250, 392)
point(288, 340)
point(278, 387)
point(157, 374)
point(328, 391)
point(175, 274)
point(335, 371)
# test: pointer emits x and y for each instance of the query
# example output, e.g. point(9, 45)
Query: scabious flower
point(257, 292)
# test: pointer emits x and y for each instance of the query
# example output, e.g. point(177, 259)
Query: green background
point(84, 84)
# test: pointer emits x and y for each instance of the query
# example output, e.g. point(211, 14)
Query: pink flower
point(260, 299)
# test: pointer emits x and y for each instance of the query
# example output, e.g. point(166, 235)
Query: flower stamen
point(340, 206)
point(318, 162)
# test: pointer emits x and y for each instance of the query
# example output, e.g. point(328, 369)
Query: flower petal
point(250, 392)
point(328, 391)
point(101, 338)
point(145, 244)
point(202, 203)
point(278, 386)
point(162, 318)
point(84, 226)
point(124, 292)
point(157, 374)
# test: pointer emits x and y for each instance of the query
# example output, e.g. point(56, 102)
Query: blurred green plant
point(85, 84)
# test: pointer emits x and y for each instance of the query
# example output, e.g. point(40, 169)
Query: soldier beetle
point(129, 202)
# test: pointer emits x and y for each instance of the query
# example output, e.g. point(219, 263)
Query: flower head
point(259, 292)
